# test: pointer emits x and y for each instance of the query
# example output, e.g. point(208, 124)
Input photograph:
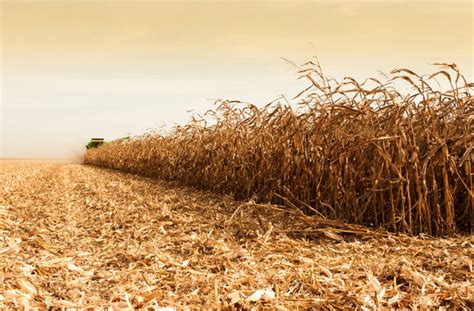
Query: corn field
point(367, 153)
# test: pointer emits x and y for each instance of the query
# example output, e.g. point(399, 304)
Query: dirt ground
point(76, 236)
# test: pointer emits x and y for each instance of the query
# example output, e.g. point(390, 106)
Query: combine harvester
point(97, 142)
point(94, 143)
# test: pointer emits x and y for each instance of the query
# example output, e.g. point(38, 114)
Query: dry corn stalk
point(364, 153)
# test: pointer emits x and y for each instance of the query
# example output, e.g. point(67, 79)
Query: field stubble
point(79, 236)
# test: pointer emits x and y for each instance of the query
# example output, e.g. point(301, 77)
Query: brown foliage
point(366, 153)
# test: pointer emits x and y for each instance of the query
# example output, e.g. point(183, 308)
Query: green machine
point(94, 143)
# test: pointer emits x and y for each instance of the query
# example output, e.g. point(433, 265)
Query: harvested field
point(369, 153)
point(79, 236)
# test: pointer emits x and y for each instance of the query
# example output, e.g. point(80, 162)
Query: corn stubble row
point(365, 153)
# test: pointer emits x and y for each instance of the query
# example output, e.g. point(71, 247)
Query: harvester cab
point(94, 143)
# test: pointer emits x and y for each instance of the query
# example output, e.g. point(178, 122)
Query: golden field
point(75, 236)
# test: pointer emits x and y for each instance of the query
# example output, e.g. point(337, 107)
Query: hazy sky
point(71, 70)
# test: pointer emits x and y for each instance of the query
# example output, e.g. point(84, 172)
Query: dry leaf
point(27, 286)
point(262, 294)
point(234, 297)
point(374, 283)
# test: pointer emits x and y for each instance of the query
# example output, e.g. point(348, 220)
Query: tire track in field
point(129, 221)
point(36, 201)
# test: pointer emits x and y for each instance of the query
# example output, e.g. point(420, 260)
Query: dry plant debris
point(74, 236)
point(367, 153)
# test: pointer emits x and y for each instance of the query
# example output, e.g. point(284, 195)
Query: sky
point(72, 70)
